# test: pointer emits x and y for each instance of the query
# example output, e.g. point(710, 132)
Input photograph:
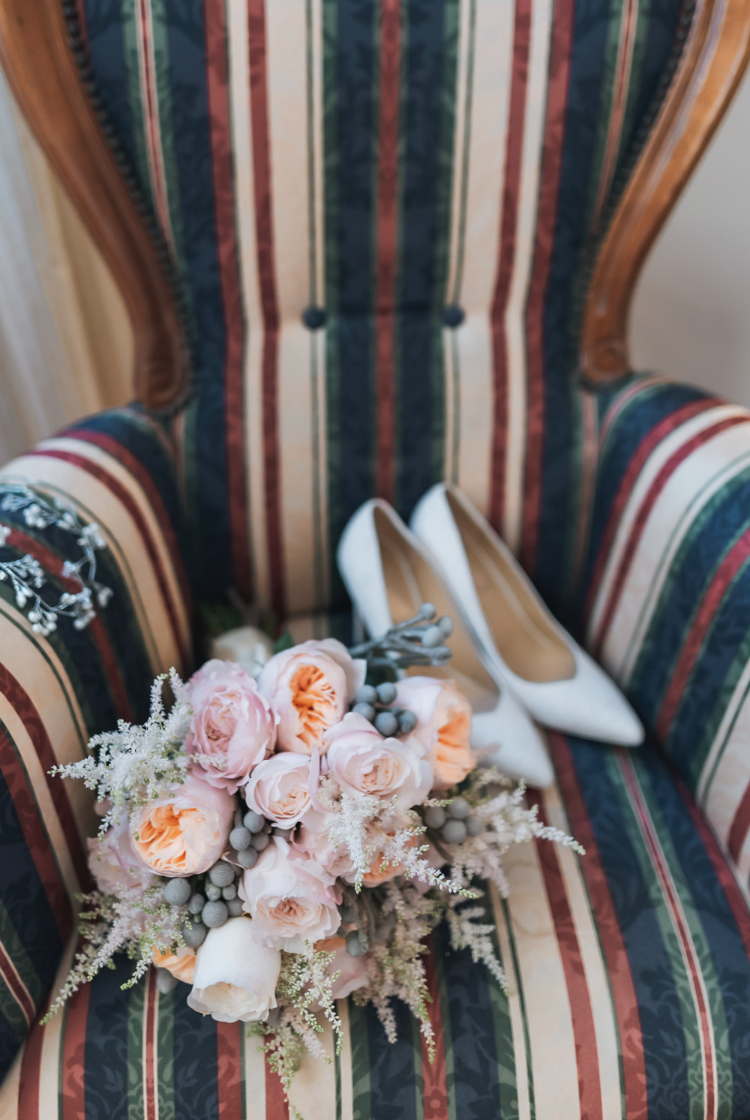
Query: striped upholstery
point(629, 980)
point(58, 690)
point(390, 161)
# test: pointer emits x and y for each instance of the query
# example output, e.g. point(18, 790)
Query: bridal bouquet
point(281, 842)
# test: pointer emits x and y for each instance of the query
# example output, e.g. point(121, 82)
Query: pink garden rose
point(311, 687)
point(233, 727)
point(444, 716)
point(363, 762)
point(185, 833)
point(279, 789)
point(312, 838)
point(291, 899)
point(114, 864)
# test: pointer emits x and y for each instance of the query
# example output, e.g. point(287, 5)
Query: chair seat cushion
point(629, 995)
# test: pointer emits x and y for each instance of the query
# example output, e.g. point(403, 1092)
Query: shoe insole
point(522, 634)
point(410, 581)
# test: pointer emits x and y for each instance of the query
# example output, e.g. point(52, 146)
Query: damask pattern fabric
point(381, 161)
point(57, 690)
point(629, 977)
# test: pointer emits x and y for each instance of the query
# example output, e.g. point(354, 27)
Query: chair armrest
point(60, 685)
point(668, 587)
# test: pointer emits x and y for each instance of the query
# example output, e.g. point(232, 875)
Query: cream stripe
point(81, 799)
point(472, 362)
point(51, 1057)
point(515, 1009)
point(515, 325)
point(95, 500)
point(9, 1091)
point(314, 1088)
point(732, 731)
point(345, 1063)
point(553, 1053)
point(239, 87)
point(255, 1078)
point(724, 782)
point(455, 263)
point(668, 510)
point(594, 967)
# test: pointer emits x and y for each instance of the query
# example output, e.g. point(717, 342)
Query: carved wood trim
point(714, 59)
point(42, 72)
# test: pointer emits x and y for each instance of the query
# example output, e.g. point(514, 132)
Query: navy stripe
point(350, 126)
point(107, 1079)
point(106, 39)
point(393, 1085)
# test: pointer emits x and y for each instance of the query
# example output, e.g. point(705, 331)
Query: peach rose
point(380, 871)
point(291, 899)
point(114, 864)
point(279, 789)
point(444, 716)
point(185, 833)
point(232, 727)
point(310, 686)
point(352, 971)
point(181, 964)
point(363, 762)
point(235, 977)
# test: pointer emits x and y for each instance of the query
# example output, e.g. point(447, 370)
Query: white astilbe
point(137, 764)
point(138, 921)
point(469, 929)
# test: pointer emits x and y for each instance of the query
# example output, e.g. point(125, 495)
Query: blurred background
point(65, 345)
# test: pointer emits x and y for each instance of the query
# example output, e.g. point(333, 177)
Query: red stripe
point(434, 1084)
point(267, 277)
point(507, 253)
point(641, 454)
point(557, 98)
point(134, 466)
point(277, 1107)
point(125, 499)
point(150, 1042)
point(73, 1058)
point(610, 935)
point(740, 826)
point(644, 512)
point(582, 1015)
point(725, 573)
point(681, 929)
point(52, 563)
point(37, 840)
point(229, 1070)
point(385, 279)
point(217, 71)
point(18, 989)
point(28, 1082)
point(32, 721)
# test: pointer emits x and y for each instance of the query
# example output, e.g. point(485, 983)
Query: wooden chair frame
point(44, 75)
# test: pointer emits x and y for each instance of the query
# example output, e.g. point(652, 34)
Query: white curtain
point(65, 341)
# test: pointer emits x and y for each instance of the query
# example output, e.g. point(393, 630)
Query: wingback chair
point(366, 245)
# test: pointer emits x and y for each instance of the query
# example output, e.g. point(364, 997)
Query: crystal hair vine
point(26, 575)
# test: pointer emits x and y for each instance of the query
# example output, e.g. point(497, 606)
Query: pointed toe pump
point(389, 574)
point(548, 672)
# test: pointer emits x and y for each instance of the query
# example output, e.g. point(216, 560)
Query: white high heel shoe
point(555, 680)
point(388, 575)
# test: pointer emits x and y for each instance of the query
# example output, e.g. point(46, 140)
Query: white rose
point(290, 898)
point(235, 977)
point(279, 788)
point(366, 763)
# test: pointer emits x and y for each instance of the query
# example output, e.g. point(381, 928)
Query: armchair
point(367, 244)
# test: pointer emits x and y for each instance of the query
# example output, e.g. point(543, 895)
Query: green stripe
point(132, 65)
point(165, 1057)
point(360, 1047)
point(14, 947)
point(639, 53)
point(522, 1001)
point(722, 1051)
point(11, 1010)
point(136, 1000)
point(683, 991)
